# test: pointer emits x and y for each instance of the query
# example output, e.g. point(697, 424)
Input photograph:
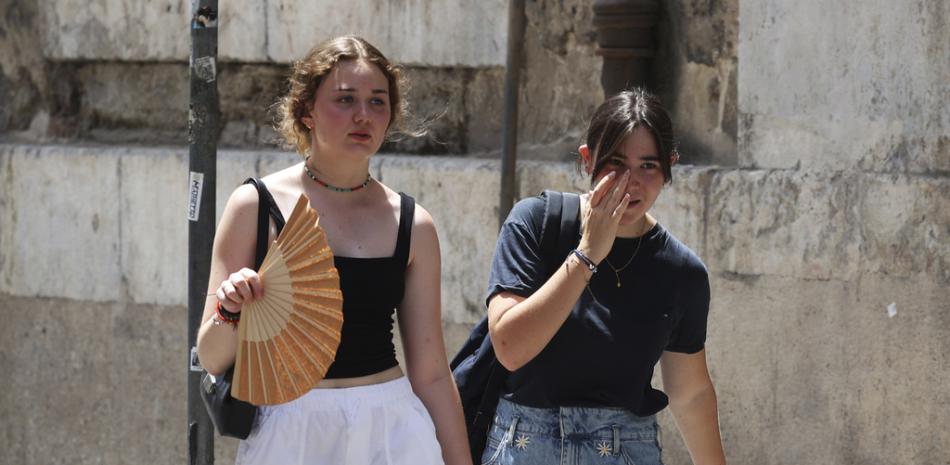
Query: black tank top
point(372, 289)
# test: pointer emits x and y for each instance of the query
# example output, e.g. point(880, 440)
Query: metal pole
point(203, 119)
point(514, 62)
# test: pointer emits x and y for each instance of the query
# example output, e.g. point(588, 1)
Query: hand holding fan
point(288, 338)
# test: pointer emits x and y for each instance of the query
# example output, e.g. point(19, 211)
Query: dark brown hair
point(309, 72)
point(615, 120)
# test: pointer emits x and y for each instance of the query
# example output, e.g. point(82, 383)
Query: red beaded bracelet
point(226, 316)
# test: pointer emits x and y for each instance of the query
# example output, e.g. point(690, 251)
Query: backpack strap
point(550, 228)
point(561, 226)
point(266, 209)
point(570, 225)
point(407, 212)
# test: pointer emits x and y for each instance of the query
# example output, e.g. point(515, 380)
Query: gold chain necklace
point(625, 265)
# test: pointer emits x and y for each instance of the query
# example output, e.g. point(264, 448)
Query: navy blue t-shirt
point(604, 353)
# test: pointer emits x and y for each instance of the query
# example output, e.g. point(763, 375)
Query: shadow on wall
point(695, 73)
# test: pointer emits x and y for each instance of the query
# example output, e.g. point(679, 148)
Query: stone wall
point(816, 187)
point(446, 32)
point(115, 71)
point(809, 365)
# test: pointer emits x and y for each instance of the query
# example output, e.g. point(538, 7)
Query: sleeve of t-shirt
point(517, 265)
point(689, 335)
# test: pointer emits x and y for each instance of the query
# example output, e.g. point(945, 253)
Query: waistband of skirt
point(366, 396)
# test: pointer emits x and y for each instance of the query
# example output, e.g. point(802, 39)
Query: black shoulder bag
point(478, 374)
point(232, 417)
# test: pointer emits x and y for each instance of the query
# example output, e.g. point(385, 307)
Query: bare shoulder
point(236, 232)
point(425, 238)
point(423, 220)
point(284, 181)
point(242, 200)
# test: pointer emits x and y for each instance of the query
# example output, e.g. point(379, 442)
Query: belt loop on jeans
point(560, 421)
point(510, 437)
point(616, 447)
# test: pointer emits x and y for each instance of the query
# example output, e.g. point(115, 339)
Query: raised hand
point(242, 286)
point(606, 204)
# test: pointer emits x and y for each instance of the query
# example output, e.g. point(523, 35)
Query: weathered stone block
point(703, 108)
point(464, 33)
point(437, 104)
point(785, 223)
point(58, 381)
point(817, 370)
point(809, 99)
point(242, 31)
point(101, 383)
point(153, 201)
point(484, 107)
point(456, 32)
point(64, 239)
point(695, 73)
point(112, 97)
point(148, 363)
point(117, 29)
point(7, 216)
point(905, 225)
point(681, 207)
point(560, 81)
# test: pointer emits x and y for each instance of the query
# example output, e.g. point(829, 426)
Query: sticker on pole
point(193, 363)
point(205, 69)
point(195, 183)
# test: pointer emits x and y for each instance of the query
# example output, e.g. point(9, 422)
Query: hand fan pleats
point(288, 339)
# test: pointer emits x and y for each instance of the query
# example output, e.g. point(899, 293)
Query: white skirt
point(380, 424)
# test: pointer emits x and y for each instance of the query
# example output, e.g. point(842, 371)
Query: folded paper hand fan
point(288, 338)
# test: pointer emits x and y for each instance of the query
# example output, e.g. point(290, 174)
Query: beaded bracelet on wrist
point(224, 315)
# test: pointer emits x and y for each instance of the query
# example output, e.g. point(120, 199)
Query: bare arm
point(231, 280)
point(420, 322)
point(693, 403)
point(521, 327)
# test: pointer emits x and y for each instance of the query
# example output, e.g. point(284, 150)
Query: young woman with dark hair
point(582, 343)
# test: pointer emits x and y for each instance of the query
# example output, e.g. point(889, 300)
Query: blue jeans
point(523, 435)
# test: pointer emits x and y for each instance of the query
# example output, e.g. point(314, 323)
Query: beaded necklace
point(335, 188)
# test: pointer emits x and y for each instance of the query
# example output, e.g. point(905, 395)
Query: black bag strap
point(550, 229)
point(266, 207)
point(559, 232)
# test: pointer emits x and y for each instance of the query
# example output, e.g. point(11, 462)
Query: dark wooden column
point(625, 40)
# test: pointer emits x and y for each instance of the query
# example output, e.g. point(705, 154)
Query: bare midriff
point(388, 374)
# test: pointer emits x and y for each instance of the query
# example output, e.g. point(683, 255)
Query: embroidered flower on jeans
point(604, 449)
point(522, 442)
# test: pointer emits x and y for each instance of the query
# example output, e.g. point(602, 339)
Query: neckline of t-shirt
point(653, 232)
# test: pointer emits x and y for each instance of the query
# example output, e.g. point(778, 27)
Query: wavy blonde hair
point(308, 73)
